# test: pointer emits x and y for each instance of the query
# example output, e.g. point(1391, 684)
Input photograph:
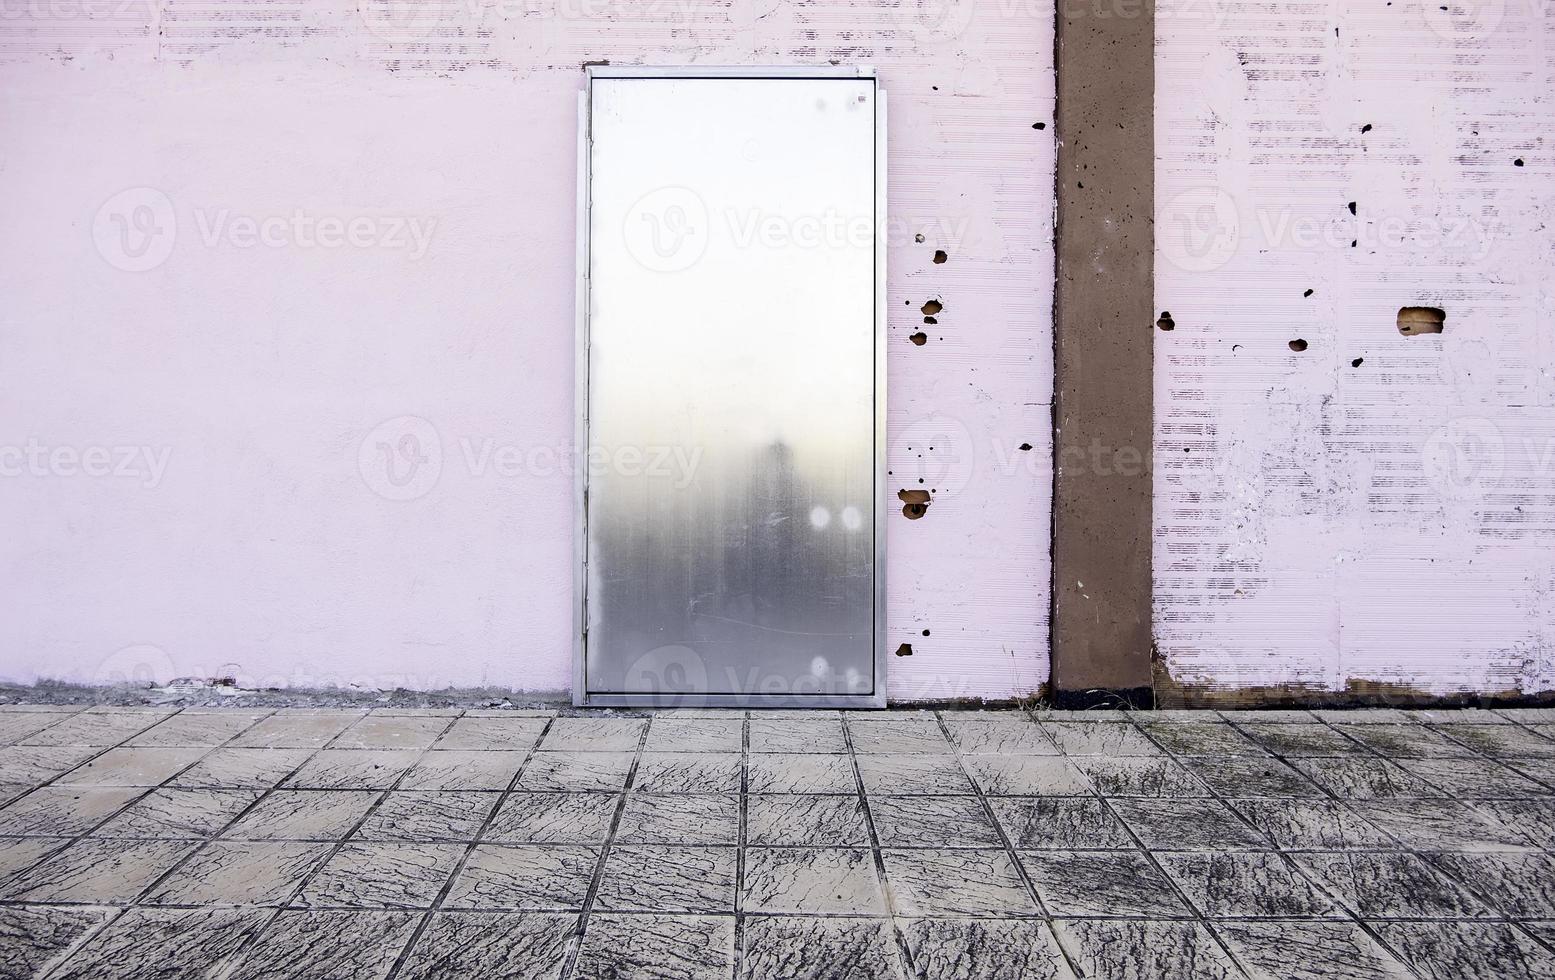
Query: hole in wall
point(915, 503)
point(1298, 345)
point(932, 307)
point(905, 650)
point(1166, 322)
point(1416, 320)
point(920, 338)
point(1358, 362)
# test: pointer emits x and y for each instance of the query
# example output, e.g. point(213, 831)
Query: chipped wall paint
point(1365, 505)
point(336, 401)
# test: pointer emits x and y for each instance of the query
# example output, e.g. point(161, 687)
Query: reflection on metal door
point(731, 387)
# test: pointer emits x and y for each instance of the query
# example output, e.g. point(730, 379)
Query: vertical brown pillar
point(1103, 398)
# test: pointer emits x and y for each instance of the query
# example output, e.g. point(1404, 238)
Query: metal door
point(731, 388)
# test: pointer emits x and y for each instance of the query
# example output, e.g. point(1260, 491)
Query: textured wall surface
point(1338, 505)
point(286, 346)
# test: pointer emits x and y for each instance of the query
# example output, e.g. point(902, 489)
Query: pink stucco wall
point(1358, 508)
point(257, 264)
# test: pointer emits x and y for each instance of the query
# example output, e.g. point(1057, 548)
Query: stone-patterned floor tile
point(303, 814)
point(89, 729)
point(812, 881)
point(382, 875)
point(932, 821)
point(36, 763)
point(352, 769)
point(1309, 951)
point(12, 791)
point(1301, 740)
point(1245, 884)
point(791, 773)
point(18, 725)
point(955, 882)
point(688, 772)
point(1313, 825)
point(805, 821)
point(984, 949)
point(1274, 716)
point(680, 947)
point(310, 945)
point(1390, 886)
point(392, 732)
point(1479, 779)
point(1405, 741)
point(242, 768)
point(1534, 819)
point(180, 942)
point(576, 772)
point(197, 729)
point(489, 769)
point(1357, 778)
point(1439, 825)
point(1140, 777)
point(1186, 825)
point(94, 871)
point(499, 734)
point(679, 820)
point(132, 767)
point(1468, 950)
point(899, 736)
point(1208, 738)
point(1364, 716)
point(428, 816)
point(911, 775)
point(812, 948)
point(1100, 738)
point(1520, 885)
point(553, 818)
point(1528, 716)
point(178, 814)
point(973, 736)
point(63, 811)
point(1249, 777)
point(1498, 741)
point(1097, 713)
point(33, 939)
point(668, 879)
point(1102, 883)
point(241, 873)
point(594, 735)
point(1060, 823)
point(671, 734)
point(797, 735)
point(286, 730)
point(524, 878)
point(491, 946)
point(999, 775)
point(1541, 771)
point(1115, 948)
point(17, 854)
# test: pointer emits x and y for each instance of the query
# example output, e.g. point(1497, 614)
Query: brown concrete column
point(1103, 398)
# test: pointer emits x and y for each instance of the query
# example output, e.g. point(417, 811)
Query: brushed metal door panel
point(731, 505)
